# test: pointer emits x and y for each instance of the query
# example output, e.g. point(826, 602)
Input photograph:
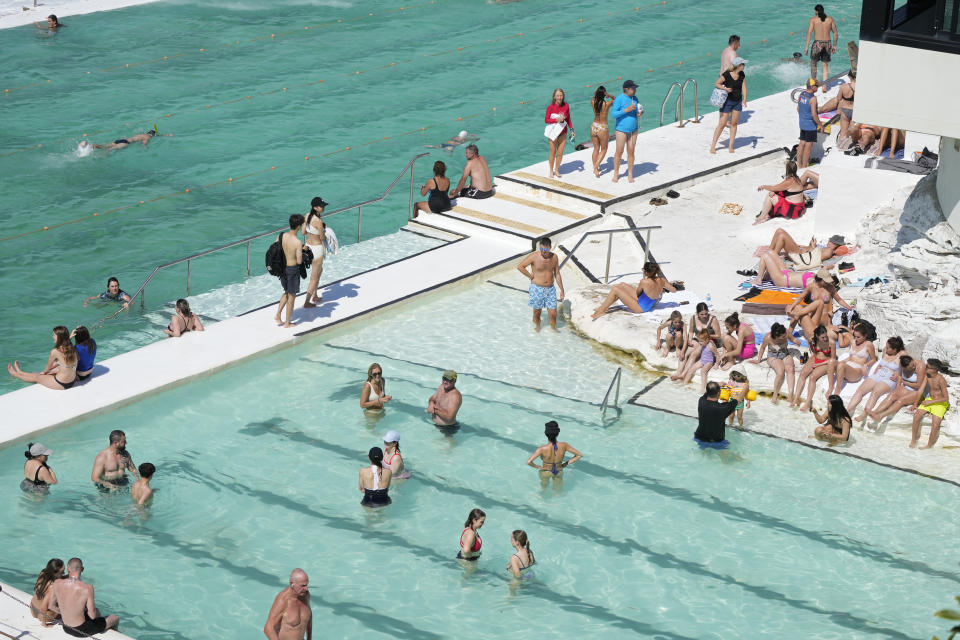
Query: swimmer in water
point(52, 24)
point(454, 142)
point(551, 456)
point(470, 541)
point(391, 456)
point(84, 149)
point(123, 143)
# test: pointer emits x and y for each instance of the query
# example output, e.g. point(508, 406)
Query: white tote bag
point(554, 130)
point(718, 97)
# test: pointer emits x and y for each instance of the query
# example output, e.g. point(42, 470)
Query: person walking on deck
point(821, 26)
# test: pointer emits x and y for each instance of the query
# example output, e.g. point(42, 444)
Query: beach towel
point(761, 327)
point(747, 284)
point(772, 297)
point(762, 309)
point(683, 301)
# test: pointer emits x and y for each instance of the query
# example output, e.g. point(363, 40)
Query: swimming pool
point(649, 536)
point(432, 64)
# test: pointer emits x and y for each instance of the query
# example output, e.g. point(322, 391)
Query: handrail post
point(143, 296)
point(248, 259)
point(646, 248)
point(679, 109)
point(359, 221)
point(410, 210)
point(663, 105)
point(616, 395)
point(606, 275)
point(188, 277)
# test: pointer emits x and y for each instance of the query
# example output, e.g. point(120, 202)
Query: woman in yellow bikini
point(599, 132)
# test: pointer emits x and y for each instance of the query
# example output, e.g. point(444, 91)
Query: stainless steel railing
point(247, 241)
point(678, 104)
point(616, 397)
point(609, 233)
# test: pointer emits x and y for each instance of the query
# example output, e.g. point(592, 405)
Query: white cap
point(392, 436)
point(462, 134)
point(39, 450)
point(738, 61)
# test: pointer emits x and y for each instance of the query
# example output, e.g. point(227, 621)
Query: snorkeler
point(454, 142)
point(123, 143)
point(552, 454)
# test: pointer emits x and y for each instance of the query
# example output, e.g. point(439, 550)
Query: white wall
point(908, 88)
point(948, 181)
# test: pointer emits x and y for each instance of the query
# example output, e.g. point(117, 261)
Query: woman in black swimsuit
point(439, 199)
point(183, 320)
point(37, 476)
point(61, 370)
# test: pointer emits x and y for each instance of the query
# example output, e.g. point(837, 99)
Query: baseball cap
point(318, 202)
point(738, 61)
point(629, 84)
point(450, 375)
point(39, 450)
point(837, 240)
point(392, 436)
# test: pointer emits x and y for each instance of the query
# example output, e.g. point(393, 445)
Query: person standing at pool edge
point(293, 254)
point(445, 401)
point(626, 108)
point(290, 616)
point(543, 294)
point(734, 82)
point(713, 415)
point(809, 122)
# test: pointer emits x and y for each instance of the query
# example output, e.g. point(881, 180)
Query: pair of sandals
point(872, 281)
point(659, 202)
point(747, 272)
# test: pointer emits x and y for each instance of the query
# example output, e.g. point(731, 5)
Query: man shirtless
point(141, 491)
point(934, 404)
point(543, 294)
point(445, 402)
point(293, 254)
point(111, 465)
point(821, 26)
point(481, 185)
point(290, 616)
point(804, 258)
point(552, 456)
point(123, 143)
point(73, 598)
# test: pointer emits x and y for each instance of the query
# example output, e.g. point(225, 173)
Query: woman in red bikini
point(784, 200)
point(470, 541)
point(823, 361)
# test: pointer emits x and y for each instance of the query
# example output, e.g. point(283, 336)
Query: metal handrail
point(359, 207)
point(609, 233)
point(696, 101)
point(616, 397)
point(663, 105)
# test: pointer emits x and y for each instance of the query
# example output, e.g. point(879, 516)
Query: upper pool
point(649, 536)
point(250, 92)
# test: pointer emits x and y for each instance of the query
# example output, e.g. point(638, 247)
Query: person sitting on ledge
point(74, 599)
point(739, 342)
point(183, 320)
point(784, 199)
point(42, 592)
point(642, 299)
point(808, 257)
point(936, 403)
point(86, 352)
point(476, 169)
point(61, 370)
point(913, 379)
point(834, 423)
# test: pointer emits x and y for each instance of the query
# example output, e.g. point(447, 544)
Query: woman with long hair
point(372, 396)
point(37, 475)
point(642, 299)
point(61, 370)
point(183, 320)
point(86, 352)
point(437, 187)
point(314, 236)
point(599, 129)
point(522, 558)
point(777, 348)
point(375, 480)
point(470, 541)
point(822, 361)
point(40, 602)
point(391, 455)
point(861, 357)
point(738, 342)
point(734, 82)
point(558, 112)
point(883, 379)
point(834, 423)
point(784, 199)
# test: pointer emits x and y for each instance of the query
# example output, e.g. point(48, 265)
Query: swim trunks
point(121, 141)
point(89, 627)
point(543, 297)
point(117, 482)
point(291, 280)
point(937, 408)
point(820, 51)
point(476, 194)
point(808, 136)
point(723, 444)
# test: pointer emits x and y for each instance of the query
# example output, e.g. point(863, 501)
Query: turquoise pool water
point(449, 61)
point(649, 536)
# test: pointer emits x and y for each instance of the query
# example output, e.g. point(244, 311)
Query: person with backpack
point(284, 258)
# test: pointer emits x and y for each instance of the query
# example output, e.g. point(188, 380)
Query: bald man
point(290, 616)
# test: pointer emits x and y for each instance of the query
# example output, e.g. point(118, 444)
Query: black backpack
point(276, 261)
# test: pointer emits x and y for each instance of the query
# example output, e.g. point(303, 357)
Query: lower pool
point(648, 536)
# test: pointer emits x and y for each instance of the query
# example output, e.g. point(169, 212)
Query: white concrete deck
point(16, 621)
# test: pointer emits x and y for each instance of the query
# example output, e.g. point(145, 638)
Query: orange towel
point(774, 297)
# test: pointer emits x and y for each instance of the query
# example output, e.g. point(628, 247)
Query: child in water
point(674, 340)
point(739, 385)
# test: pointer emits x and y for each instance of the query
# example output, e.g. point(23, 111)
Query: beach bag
point(718, 97)
point(275, 261)
point(554, 130)
point(307, 258)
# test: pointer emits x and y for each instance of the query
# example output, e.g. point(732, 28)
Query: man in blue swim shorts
point(543, 294)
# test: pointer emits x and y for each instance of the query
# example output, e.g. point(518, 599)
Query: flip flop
point(658, 201)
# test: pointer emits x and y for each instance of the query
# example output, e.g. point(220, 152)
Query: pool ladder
point(678, 104)
point(616, 395)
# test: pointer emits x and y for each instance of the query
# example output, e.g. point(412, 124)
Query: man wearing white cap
point(391, 455)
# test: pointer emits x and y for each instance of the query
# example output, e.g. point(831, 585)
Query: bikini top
point(309, 228)
point(36, 477)
point(861, 354)
point(389, 463)
point(778, 348)
point(186, 326)
point(522, 566)
point(910, 378)
point(891, 367)
point(708, 326)
point(477, 542)
point(826, 352)
point(373, 392)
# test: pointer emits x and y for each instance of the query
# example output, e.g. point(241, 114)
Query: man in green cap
point(446, 401)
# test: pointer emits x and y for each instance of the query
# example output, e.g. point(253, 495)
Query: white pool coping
point(12, 13)
point(16, 621)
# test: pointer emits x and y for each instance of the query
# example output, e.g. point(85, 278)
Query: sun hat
point(450, 375)
point(629, 84)
point(812, 82)
point(392, 436)
point(837, 240)
point(39, 450)
point(738, 61)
